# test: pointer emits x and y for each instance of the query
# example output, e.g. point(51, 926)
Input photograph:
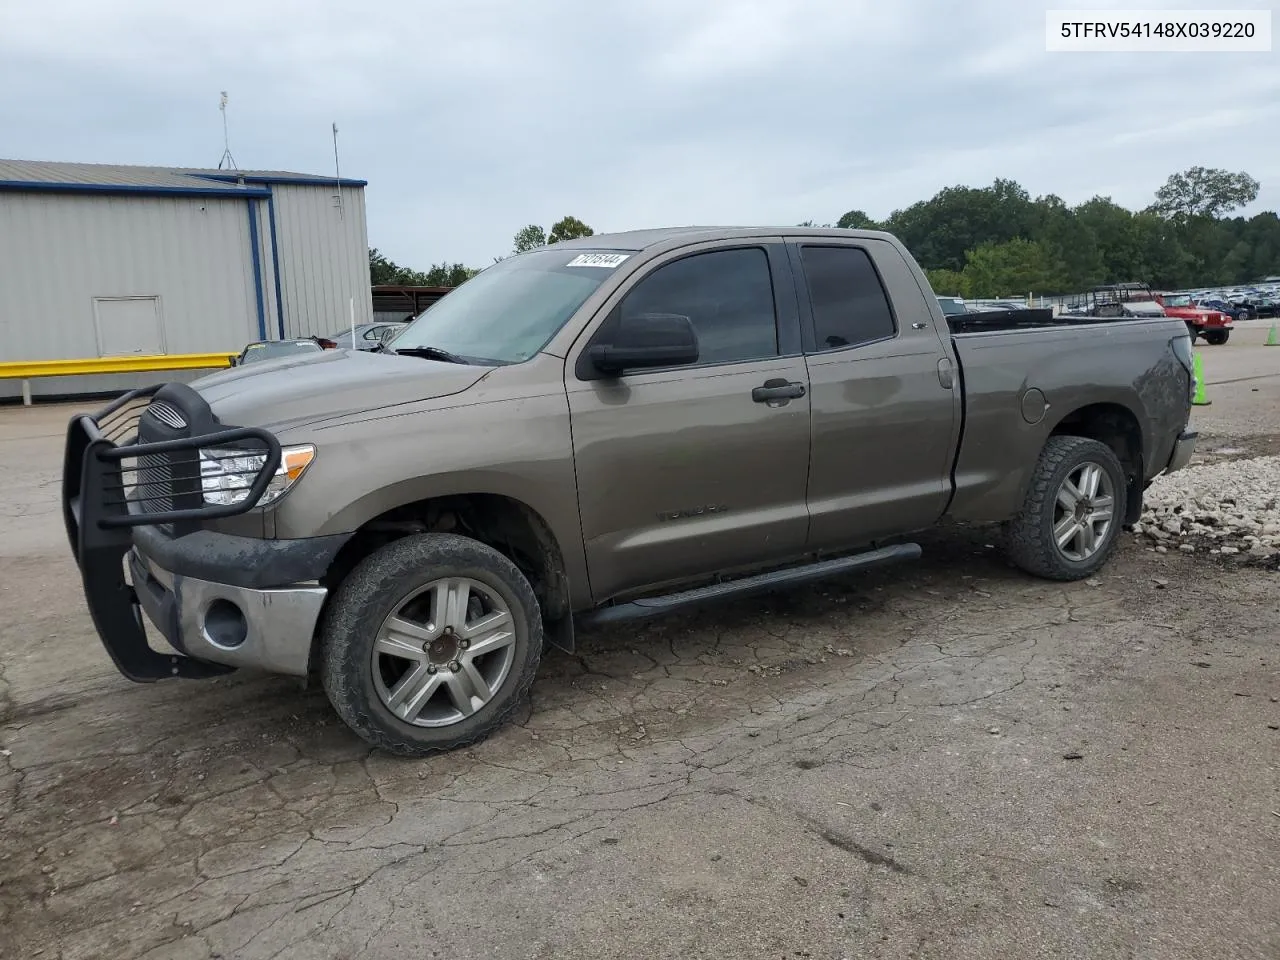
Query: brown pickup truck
point(600, 430)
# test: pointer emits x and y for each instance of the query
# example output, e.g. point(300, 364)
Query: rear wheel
point(1217, 338)
point(430, 644)
point(1071, 516)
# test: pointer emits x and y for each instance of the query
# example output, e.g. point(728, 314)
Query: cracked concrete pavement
point(942, 760)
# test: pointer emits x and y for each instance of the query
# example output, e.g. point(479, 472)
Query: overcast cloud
point(471, 119)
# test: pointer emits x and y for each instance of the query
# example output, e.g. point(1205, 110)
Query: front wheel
point(1071, 515)
point(430, 644)
point(1217, 338)
point(1193, 331)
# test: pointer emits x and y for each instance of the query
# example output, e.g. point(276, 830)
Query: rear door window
point(849, 303)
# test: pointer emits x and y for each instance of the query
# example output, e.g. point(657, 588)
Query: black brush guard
point(100, 514)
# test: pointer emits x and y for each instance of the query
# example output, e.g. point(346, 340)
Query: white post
point(351, 303)
point(26, 393)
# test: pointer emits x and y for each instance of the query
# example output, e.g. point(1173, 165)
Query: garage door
point(128, 325)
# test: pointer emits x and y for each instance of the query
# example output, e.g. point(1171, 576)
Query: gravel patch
point(1228, 509)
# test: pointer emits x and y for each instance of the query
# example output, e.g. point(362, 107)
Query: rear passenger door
point(884, 419)
point(689, 471)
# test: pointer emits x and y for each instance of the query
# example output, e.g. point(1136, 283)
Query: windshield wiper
point(431, 353)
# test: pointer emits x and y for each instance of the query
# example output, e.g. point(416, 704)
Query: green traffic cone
point(1197, 367)
point(1273, 338)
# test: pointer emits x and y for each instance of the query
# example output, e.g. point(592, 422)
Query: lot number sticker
point(606, 260)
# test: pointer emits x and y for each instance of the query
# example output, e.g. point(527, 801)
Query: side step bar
point(758, 583)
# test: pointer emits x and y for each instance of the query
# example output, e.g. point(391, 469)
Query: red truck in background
point(1213, 325)
point(1138, 299)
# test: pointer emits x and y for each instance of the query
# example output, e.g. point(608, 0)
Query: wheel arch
point(1117, 426)
point(508, 524)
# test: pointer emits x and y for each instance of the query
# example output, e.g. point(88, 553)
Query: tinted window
point(727, 296)
point(849, 305)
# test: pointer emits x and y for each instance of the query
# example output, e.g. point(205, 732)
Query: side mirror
point(647, 340)
point(233, 361)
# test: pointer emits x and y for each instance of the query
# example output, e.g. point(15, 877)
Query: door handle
point(772, 391)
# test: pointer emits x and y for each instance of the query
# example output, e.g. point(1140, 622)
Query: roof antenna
point(227, 158)
point(337, 176)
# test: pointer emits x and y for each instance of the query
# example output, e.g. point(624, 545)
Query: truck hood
point(296, 391)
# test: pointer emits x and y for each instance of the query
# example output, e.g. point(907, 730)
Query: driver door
point(682, 472)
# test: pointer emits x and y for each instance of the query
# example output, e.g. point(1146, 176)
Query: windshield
point(951, 306)
point(1177, 301)
point(279, 348)
point(343, 336)
point(508, 312)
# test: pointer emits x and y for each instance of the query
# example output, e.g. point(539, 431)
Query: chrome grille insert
point(167, 414)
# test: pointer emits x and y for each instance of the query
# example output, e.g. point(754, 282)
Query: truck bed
point(998, 320)
point(1021, 374)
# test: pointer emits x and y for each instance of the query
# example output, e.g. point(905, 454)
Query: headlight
point(227, 475)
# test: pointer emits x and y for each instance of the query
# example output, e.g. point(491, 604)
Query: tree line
point(999, 241)
point(383, 271)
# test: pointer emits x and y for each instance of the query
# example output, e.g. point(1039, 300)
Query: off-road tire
point(1028, 537)
point(372, 590)
point(1216, 338)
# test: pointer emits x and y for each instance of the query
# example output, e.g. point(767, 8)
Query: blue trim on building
point(257, 268)
point(287, 181)
point(40, 186)
point(275, 261)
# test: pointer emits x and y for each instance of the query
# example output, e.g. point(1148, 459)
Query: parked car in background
point(1267, 307)
point(1236, 310)
point(274, 349)
point(368, 336)
point(952, 306)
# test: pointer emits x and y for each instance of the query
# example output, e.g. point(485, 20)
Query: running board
point(671, 602)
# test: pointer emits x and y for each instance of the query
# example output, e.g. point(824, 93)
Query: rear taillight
point(1181, 346)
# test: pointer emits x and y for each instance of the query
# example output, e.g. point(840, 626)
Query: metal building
point(102, 260)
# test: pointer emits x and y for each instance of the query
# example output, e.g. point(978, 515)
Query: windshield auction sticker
point(606, 260)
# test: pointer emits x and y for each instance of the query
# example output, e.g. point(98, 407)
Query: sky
point(472, 119)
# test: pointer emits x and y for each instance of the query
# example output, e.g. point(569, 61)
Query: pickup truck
point(600, 430)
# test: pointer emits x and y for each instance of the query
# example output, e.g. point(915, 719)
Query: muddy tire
point(430, 644)
point(1072, 513)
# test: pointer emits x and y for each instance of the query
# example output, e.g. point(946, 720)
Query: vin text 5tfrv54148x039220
point(601, 430)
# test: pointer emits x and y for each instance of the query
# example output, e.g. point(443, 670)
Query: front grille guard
point(112, 480)
point(105, 495)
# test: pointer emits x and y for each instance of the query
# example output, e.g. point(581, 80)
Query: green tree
point(1016, 266)
point(1119, 245)
point(528, 238)
point(448, 275)
point(1262, 233)
point(1070, 242)
point(568, 228)
point(856, 220)
point(941, 231)
point(1184, 239)
point(946, 283)
point(383, 272)
point(381, 269)
point(1204, 192)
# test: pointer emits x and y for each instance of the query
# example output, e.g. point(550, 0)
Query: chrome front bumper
point(269, 630)
point(1183, 448)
